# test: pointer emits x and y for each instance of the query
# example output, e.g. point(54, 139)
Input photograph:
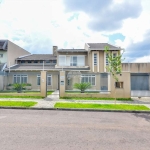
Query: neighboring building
point(8, 54)
point(87, 65)
point(10, 51)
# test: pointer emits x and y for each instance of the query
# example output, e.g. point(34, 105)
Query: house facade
point(68, 66)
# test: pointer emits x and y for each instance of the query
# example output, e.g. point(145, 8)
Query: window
point(104, 82)
point(81, 60)
point(119, 84)
point(1, 55)
point(20, 78)
point(47, 61)
point(68, 81)
point(35, 61)
point(29, 61)
point(22, 61)
point(114, 55)
point(62, 60)
point(95, 59)
point(107, 59)
point(54, 61)
point(88, 78)
point(73, 61)
point(38, 79)
point(41, 61)
point(49, 79)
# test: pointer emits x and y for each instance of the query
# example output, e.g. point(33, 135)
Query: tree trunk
point(115, 95)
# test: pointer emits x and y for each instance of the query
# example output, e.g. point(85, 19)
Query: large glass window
point(81, 60)
point(38, 79)
point(20, 78)
point(104, 82)
point(62, 60)
point(49, 79)
point(71, 60)
point(88, 78)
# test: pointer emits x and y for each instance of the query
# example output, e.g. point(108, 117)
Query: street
point(73, 130)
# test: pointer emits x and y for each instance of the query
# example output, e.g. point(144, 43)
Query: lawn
point(101, 106)
point(17, 103)
point(3, 94)
point(80, 92)
point(96, 98)
point(24, 96)
point(32, 92)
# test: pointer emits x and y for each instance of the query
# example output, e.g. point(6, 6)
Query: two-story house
point(80, 65)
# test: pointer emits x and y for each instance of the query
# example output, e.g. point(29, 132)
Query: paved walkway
point(50, 101)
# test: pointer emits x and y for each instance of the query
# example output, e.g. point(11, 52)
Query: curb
point(67, 109)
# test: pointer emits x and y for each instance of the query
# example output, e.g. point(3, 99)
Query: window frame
point(38, 76)
point(89, 77)
point(49, 76)
point(20, 76)
point(119, 85)
point(95, 59)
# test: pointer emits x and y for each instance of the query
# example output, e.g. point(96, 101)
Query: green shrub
point(82, 86)
point(19, 87)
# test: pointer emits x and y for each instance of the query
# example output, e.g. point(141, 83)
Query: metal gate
point(140, 84)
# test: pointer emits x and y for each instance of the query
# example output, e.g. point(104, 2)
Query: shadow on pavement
point(146, 116)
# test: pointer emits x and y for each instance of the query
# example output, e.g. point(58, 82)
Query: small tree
point(114, 65)
point(82, 86)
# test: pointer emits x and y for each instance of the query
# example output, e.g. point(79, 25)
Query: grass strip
point(17, 103)
point(31, 92)
point(101, 106)
point(11, 96)
point(80, 92)
point(96, 98)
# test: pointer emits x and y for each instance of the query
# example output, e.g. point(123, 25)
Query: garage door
point(139, 82)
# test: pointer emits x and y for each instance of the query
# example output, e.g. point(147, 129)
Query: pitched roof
point(71, 50)
point(3, 44)
point(38, 57)
point(101, 46)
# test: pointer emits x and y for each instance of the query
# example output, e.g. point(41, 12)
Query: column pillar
point(62, 84)
point(44, 83)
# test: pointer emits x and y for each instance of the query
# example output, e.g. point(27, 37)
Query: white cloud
point(145, 59)
point(37, 25)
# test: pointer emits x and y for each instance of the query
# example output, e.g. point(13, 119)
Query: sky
point(37, 25)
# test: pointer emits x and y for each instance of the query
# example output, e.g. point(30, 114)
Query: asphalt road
point(73, 130)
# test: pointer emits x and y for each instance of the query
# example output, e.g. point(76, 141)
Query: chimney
point(55, 48)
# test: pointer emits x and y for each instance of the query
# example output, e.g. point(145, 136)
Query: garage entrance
point(140, 85)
